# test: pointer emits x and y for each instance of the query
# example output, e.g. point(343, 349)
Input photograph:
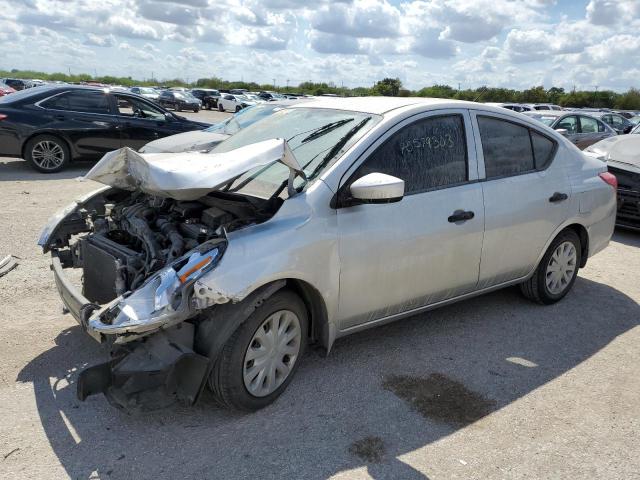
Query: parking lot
point(492, 387)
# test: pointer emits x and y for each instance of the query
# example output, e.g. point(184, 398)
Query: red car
point(5, 90)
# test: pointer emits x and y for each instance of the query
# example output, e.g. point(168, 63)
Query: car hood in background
point(190, 175)
point(185, 142)
point(623, 151)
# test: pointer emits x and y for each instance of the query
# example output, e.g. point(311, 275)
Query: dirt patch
point(439, 398)
point(369, 449)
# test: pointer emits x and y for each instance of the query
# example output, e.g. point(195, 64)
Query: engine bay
point(126, 237)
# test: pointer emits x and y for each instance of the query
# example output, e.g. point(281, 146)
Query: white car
point(234, 103)
point(321, 220)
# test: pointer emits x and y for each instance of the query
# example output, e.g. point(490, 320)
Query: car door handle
point(460, 216)
point(59, 117)
point(558, 197)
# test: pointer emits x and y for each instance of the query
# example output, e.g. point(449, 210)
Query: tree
point(554, 94)
point(388, 87)
point(629, 100)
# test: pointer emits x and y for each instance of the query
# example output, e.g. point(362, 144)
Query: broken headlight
point(161, 299)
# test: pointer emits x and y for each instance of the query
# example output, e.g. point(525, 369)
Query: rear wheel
point(557, 270)
point(47, 154)
point(220, 107)
point(237, 109)
point(261, 357)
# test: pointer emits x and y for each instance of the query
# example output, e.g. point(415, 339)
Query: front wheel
point(220, 107)
point(557, 270)
point(237, 109)
point(261, 357)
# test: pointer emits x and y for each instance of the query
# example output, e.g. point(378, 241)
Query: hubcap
point(272, 353)
point(561, 268)
point(47, 155)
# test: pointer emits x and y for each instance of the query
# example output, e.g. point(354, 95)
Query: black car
point(179, 100)
point(51, 126)
point(208, 96)
point(16, 83)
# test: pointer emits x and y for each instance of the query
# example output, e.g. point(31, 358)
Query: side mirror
point(168, 116)
point(627, 129)
point(377, 188)
point(562, 131)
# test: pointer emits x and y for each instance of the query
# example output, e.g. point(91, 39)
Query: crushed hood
point(189, 175)
point(183, 142)
point(623, 149)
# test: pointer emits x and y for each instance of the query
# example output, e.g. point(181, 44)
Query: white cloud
point(512, 43)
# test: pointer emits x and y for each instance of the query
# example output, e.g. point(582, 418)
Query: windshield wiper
point(318, 132)
point(337, 147)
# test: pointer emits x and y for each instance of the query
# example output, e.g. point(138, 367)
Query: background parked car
point(622, 154)
point(270, 96)
point(205, 140)
point(208, 96)
point(16, 83)
point(583, 130)
point(179, 100)
point(234, 103)
point(6, 90)
point(52, 125)
point(146, 92)
point(516, 107)
point(616, 121)
point(543, 106)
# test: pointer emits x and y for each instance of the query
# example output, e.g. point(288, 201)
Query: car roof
point(381, 105)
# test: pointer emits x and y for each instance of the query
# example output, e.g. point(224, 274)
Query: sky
point(467, 43)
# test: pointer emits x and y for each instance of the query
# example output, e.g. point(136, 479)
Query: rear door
point(141, 121)
point(397, 257)
point(526, 195)
point(85, 119)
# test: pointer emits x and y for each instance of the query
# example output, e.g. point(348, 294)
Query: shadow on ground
point(16, 169)
point(364, 405)
point(627, 237)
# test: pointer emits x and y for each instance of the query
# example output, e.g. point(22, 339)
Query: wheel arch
point(23, 148)
point(583, 235)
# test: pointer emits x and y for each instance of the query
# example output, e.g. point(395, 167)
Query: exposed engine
point(138, 234)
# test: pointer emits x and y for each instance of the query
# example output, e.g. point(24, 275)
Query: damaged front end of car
point(141, 244)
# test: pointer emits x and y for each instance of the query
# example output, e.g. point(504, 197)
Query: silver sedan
point(325, 218)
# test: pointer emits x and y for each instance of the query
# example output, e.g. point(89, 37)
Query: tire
point(237, 109)
point(541, 287)
point(47, 154)
point(178, 107)
point(228, 377)
point(196, 110)
point(220, 107)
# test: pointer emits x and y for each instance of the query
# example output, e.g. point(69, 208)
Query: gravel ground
point(494, 387)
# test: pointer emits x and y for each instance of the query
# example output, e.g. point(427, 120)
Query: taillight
point(2, 116)
point(609, 178)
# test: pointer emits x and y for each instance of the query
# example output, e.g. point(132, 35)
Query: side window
point(133, 107)
point(89, 102)
point(506, 147)
point(570, 124)
point(588, 125)
point(543, 150)
point(601, 127)
point(427, 154)
point(617, 122)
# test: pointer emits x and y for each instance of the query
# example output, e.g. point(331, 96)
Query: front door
point(141, 122)
point(400, 256)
